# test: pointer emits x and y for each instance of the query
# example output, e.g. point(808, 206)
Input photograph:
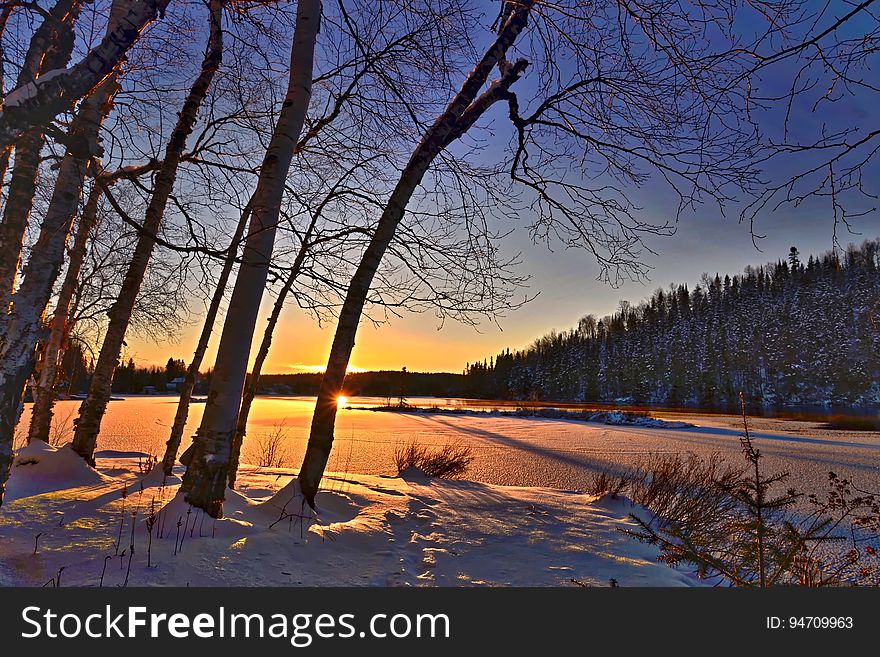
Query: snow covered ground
point(519, 520)
point(371, 530)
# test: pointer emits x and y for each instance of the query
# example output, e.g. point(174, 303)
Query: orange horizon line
point(360, 371)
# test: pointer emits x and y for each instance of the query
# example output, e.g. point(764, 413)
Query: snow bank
point(368, 530)
point(622, 418)
point(40, 468)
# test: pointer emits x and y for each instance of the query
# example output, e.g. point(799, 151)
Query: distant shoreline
point(451, 405)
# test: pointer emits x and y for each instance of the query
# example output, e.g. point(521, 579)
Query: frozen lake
point(507, 450)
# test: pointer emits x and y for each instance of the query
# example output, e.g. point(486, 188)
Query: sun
point(341, 401)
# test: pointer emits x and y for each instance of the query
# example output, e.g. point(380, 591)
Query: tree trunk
point(92, 409)
point(251, 389)
point(23, 324)
point(22, 187)
point(25, 111)
point(62, 324)
point(49, 48)
point(5, 13)
point(192, 372)
point(464, 109)
point(4, 165)
point(208, 469)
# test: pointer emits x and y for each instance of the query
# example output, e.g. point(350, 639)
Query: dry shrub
point(269, 452)
point(447, 462)
point(607, 482)
point(147, 463)
point(728, 523)
point(61, 428)
point(742, 526)
point(685, 490)
point(675, 488)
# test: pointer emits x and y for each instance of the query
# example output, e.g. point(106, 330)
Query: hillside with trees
point(791, 333)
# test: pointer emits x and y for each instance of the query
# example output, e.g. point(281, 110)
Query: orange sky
point(301, 345)
point(568, 290)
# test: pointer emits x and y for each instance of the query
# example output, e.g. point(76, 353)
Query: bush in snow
point(606, 482)
point(447, 462)
point(738, 526)
point(269, 452)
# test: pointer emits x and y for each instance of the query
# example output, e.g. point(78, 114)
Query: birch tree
point(350, 70)
point(92, 409)
point(69, 301)
point(50, 47)
point(5, 14)
point(61, 323)
point(250, 389)
point(24, 326)
point(204, 482)
point(47, 255)
point(462, 112)
point(619, 92)
point(25, 322)
point(35, 104)
point(185, 389)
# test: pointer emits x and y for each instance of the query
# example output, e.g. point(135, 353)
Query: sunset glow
point(341, 401)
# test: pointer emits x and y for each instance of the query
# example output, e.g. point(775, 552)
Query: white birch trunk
point(173, 444)
point(208, 468)
point(24, 325)
point(25, 321)
point(61, 324)
point(251, 389)
point(49, 48)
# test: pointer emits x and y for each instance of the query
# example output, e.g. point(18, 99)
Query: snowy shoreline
point(613, 418)
point(64, 519)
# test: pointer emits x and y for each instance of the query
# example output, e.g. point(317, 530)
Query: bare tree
point(25, 323)
point(68, 302)
point(61, 324)
point(205, 480)
point(47, 255)
point(192, 371)
point(250, 390)
point(35, 104)
point(163, 299)
point(92, 409)
point(462, 112)
point(5, 13)
point(350, 143)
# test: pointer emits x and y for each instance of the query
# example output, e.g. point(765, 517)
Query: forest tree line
point(791, 333)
